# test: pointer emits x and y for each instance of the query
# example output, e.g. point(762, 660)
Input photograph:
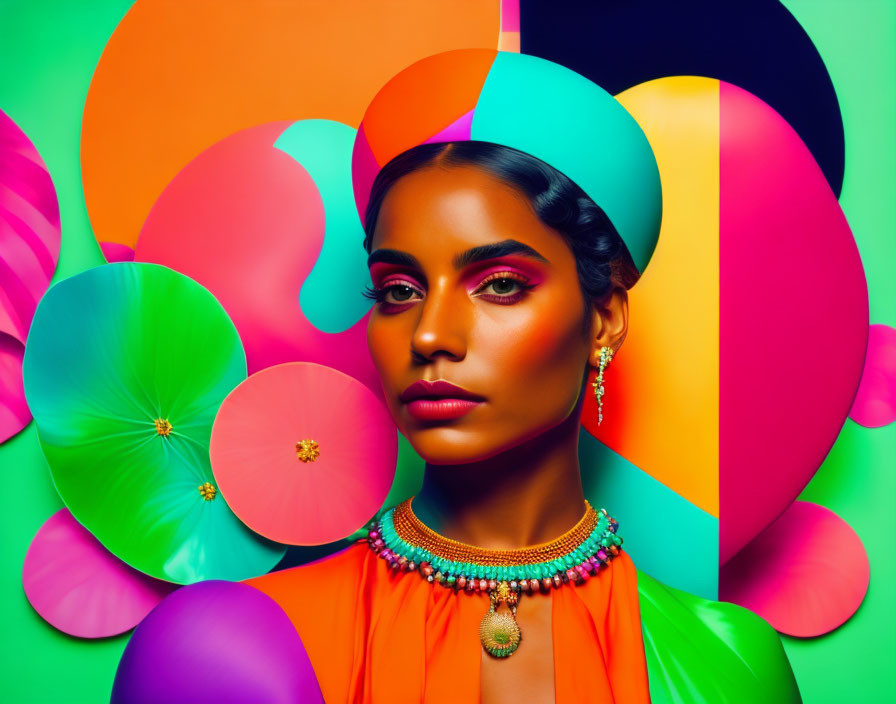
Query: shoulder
point(624, 564)
point(720, 650)
point(623, 575)
point(326, 601)
point(333, 578)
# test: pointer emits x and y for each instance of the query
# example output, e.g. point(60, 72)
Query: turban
point(528, 103)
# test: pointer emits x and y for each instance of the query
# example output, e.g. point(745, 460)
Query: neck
point(529, 494)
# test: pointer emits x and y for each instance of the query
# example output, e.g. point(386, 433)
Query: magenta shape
point(29, 229)
point(510, 15)
point(246, 221)
point(793, 317)
point(364, 171)
point(29, 250)
point(806, 574)
point(14, 412)
point(875, 403)
point(79, 587)
point(117, 252)
point(457, 131)
point(216, 642)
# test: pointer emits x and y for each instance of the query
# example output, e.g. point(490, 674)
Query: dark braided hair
point(602, 259)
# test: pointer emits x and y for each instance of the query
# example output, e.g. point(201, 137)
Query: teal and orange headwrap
point(528, 103)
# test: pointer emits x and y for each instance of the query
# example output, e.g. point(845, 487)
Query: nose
point(441, 328)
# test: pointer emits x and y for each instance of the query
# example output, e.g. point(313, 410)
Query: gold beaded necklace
point(407, 544)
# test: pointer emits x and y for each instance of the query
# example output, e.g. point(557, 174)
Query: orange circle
point(176, 78)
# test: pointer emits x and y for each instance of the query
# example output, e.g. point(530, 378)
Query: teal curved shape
point(666, 535)
point(331, 296)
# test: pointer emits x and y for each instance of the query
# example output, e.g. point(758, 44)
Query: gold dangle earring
point(606, 354)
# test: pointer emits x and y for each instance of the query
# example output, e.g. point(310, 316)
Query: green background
point(857, 41)
point(48, 51)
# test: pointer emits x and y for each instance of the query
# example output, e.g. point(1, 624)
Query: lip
point(440, 389)
point(438, 400)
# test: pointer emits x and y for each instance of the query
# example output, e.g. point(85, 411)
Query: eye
point(507, 287)
point(400, 293)
point(394, 293)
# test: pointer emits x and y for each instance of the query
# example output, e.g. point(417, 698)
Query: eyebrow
point(475, 254)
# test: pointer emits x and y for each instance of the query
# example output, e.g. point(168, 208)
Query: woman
point(511, 306)
point(515, 205)
point(501, 248)
point(496, 274)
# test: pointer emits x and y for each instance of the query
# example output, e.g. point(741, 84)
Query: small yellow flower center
point(208, 491)
point(163, 427)
point(307, 450)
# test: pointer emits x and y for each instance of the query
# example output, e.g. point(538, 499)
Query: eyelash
point(521, 281)
point(379, 294)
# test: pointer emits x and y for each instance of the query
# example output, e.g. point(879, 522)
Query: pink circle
point(875, 402)
point(79, 587)
point(256, 462)
point(806, 574)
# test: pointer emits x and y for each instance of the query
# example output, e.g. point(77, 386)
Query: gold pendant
point(499, 632)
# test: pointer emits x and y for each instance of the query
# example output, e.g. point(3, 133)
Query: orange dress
point(375, 635)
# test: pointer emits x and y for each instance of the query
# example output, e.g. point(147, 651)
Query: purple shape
point(79, 587)
point(457, 131)
point(875, 402)
point(217, 642)
point(117, 252)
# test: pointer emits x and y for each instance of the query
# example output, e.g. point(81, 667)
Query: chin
point(446, 445)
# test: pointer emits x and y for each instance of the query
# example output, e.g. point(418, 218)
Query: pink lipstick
point(438, 400)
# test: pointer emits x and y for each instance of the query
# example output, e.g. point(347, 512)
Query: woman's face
point(478, 292)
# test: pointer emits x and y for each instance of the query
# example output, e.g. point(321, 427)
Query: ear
point(609, 324)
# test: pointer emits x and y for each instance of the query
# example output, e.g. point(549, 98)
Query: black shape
point(756, 45)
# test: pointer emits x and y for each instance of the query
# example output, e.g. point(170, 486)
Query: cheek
point(386, 354)
point(536, 371)
point(544, 348)
point(385, 347)
point(536, 358)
